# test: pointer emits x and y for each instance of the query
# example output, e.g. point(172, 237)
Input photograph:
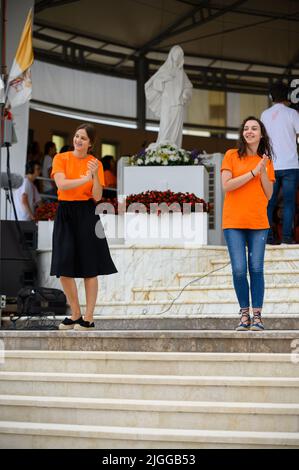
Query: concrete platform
point(153, 340)
point(287, 321)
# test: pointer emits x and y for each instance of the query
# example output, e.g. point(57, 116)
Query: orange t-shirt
point(110, 179)
point(73, 167)
point(245, 207)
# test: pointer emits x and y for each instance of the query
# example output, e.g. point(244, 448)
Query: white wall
point(85, 91)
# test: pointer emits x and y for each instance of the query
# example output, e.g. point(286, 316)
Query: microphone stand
point(7, 200)
point(3, 75)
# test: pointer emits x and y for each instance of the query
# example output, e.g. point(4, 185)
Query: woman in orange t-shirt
point(247, 180)
point(109, 171)
point(110, 176)
point(77, 250)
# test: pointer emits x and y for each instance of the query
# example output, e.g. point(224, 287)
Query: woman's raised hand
point(261, 166)
point(93, 166)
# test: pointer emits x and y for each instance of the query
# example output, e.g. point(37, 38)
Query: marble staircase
point(150, 279)
point(180, 308)
point(213, 293)
point(145, 379)
point(77, 399)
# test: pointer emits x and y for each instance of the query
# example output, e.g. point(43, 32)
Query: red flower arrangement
point(154, 202)
point(109, 200)
point(166, 201)
point(46, 211)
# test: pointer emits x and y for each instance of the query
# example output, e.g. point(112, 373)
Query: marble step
point(213, 293)
point(284, 341)
point(51, 436)
point(190, 307)
point(231, 416)
point(152, 387)
point(157, 363)
point(272, 321)
point(283, 276)
point(162, 308)
point(279, 251)
point(271, 263)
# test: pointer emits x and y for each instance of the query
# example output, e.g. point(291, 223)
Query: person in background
point(33, 152)
point(49, 187)
point(247, 175)
point(66, 148)
point(110, 177)
point(282, 125)
point(27, 197)
point(109, 171)
point(78, 250)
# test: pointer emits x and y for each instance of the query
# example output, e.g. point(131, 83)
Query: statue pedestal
point(191, 179)
point(166, 229)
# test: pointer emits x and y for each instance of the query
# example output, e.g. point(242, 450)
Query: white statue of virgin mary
point(167, 92)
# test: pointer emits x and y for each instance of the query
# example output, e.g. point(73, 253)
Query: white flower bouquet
point(165, 154)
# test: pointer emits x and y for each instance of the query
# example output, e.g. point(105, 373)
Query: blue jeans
point(236, 240)
point(287, 179)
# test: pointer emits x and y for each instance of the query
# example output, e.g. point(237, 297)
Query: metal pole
point(142, 75)
point(3, 73)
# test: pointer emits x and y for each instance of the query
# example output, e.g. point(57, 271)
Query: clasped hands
point(261, 166)
point(92, 170)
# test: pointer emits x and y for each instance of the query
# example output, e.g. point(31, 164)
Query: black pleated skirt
point(79, 245)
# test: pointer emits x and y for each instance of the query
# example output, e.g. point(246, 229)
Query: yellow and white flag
point(19, 81)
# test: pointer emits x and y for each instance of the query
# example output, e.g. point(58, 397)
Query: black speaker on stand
point(18, 267)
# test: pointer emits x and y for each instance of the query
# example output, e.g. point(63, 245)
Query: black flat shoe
point(84, 325)
point(288, 241)
point(273, 241)
point(69, 324)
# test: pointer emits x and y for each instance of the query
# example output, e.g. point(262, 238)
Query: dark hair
point(279, 92)
point(264, 145)
point(106, 161)
point(65, 148)
point(29, 169)
point(33, 148)
point(90, 131)
point(48, 146)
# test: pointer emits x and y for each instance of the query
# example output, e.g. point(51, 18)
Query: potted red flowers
point(46, 211)
point(182, 219)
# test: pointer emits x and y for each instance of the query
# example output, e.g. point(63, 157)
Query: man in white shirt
point(282, 125)
point(49, 187)
point(27, 197)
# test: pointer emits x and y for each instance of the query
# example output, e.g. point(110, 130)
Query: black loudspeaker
point(16, 245)
point(17, 257)
point(15, 274)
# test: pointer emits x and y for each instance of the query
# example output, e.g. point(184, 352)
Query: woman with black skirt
point(77, 251)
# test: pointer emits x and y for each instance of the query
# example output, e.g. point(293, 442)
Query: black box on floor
point(41, 301)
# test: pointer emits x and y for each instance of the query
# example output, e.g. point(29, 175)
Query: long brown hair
point(264, 145)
